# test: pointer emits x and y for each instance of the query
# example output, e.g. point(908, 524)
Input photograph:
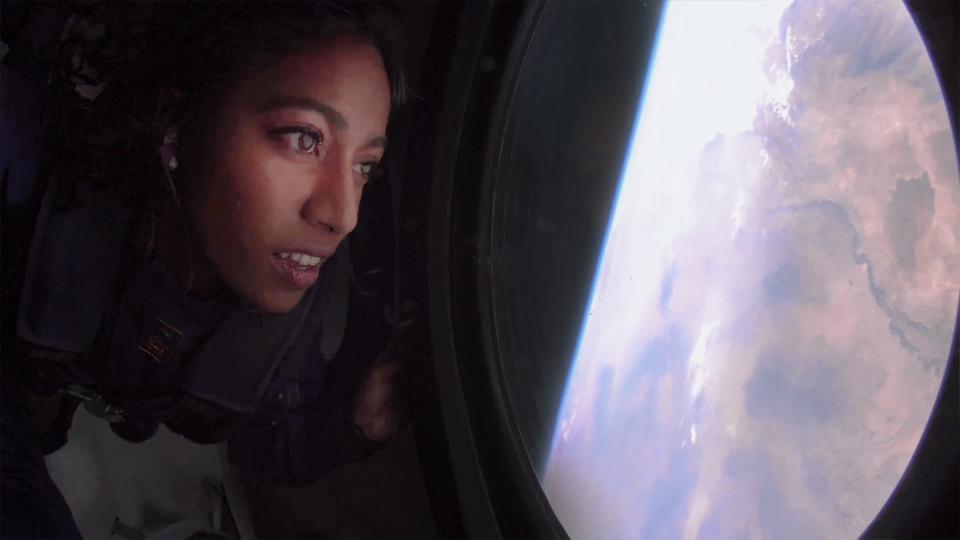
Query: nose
point(334, 199)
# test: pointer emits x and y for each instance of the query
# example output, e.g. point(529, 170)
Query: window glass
point(571, 116)
point(765, 307)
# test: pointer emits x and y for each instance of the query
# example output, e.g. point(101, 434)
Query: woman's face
point(278, 175)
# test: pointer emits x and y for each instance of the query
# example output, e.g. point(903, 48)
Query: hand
point(377, 409)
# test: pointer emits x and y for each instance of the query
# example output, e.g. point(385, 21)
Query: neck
point(174, 245)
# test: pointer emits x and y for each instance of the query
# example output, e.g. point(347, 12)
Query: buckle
point(94, 402)
point(160, 340)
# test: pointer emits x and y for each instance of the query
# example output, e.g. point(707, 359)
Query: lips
point(296, 274)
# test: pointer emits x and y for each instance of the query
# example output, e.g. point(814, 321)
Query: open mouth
point(299, 270)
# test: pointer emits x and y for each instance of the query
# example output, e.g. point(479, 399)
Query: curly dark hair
point(126, 71)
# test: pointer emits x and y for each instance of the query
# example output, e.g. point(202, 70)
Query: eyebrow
point(379, 142)
point(295, 102)
point(332, 115)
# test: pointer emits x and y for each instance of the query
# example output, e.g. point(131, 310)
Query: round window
point(762, 238)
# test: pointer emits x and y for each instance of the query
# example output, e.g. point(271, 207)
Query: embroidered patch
point(160, 340)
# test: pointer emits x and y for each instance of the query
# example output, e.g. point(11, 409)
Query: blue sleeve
point(24, 72)
point(20, 127)
point(32, 505)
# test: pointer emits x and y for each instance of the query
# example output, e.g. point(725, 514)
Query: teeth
point(302, 258)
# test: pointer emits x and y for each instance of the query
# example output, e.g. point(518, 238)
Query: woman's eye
point(368, 170)
point(301, 140)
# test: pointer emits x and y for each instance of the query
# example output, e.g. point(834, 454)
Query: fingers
point(385, 367)
point(380, 389)
point(379, 408)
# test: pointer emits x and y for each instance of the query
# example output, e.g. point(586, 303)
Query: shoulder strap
point(73, 260)
point(235, 366)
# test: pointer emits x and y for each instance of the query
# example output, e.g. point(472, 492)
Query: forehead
point(343, 71)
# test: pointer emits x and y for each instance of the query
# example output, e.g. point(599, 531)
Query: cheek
point(235, 162)
point(262, 198)
point(248, 198)
point(261, 208)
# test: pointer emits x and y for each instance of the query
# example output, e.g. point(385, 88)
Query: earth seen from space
point(774, 306)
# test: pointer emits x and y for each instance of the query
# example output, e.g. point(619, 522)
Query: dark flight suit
point(90, 318)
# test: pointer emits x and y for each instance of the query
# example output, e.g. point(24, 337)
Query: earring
point(167, 150)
